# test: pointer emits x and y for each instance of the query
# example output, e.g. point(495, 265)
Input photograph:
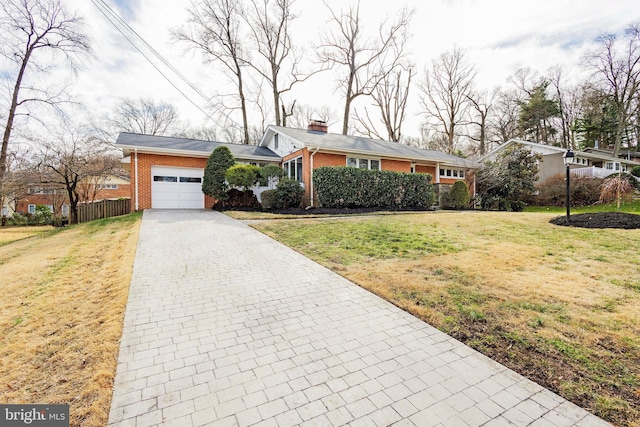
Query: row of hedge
point(346, 187)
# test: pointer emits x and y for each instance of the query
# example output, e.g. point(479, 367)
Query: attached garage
point(176, 188)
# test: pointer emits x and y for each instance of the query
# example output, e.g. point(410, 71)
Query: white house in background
point(588, 163)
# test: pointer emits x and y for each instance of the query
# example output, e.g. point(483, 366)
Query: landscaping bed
point(600, 220)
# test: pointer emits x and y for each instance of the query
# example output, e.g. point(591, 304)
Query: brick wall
point(396, 165)
point(145, 162)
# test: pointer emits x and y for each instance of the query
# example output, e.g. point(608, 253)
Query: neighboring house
point(588, 163)
point(56, 199)
point(167, 172)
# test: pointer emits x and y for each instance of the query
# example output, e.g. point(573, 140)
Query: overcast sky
point(499, 36)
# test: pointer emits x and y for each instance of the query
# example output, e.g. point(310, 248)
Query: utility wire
point(112, 16)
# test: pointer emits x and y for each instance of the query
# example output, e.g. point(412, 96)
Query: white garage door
point(176, 188)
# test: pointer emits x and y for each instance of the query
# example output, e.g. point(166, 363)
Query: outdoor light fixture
point(568, 159)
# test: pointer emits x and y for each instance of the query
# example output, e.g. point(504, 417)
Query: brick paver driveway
point(224, 326)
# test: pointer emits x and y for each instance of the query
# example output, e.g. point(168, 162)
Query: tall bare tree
point(503, 123)
point(145, 116)
point(445, 93)
point(277, 61)
point(303, 114)
point(365, 61)
point(390, 97)
point(481, 102)
point(616, 66)
point(31, 31)
point(215, 28)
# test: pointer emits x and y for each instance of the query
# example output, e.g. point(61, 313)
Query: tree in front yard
point(243, 176)
point(509, 181)
point(214, 182)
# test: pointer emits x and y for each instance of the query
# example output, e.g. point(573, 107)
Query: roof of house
point(130, 142)
point(550, 149)
point(364, 146)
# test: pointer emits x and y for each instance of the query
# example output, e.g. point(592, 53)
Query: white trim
point(137, 181)
point(311, 175)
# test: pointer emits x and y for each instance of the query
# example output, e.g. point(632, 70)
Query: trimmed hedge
point(346, 187)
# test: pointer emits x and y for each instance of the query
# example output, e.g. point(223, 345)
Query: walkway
point(226, 327)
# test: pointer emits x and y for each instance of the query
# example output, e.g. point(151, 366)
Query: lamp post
point(568, 159)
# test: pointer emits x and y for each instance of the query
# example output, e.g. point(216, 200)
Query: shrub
point(214, 181)
point(340, 187)
point(242, 176)
point(269, 199)
point(636, 171)
point(289, 193)
point(509, 178)
point(457, 197)
point(614, 187)
point(269, 171)
point(585, 191)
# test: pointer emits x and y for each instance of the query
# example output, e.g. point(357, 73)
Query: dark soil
point(341, 211)
point(600, 220)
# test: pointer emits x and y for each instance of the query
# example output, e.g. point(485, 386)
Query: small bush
point(614, 186)
point(457, 197)
point(552, 192)
point(287, 194)
point(242, 176)
point(636, 171)
point(269, 199)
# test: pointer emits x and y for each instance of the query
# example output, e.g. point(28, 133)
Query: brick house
point(55, 197)
point(166, 173)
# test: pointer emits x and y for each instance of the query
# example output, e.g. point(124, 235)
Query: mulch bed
point(600, 220)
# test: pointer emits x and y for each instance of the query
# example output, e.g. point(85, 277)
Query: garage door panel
point(176, 188)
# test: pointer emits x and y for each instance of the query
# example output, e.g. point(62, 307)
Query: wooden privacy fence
point(103, 209)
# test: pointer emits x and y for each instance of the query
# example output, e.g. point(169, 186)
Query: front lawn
point(560, 305)
point(63, 298)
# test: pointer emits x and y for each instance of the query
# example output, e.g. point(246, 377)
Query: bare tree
point(144, 116)
point(303, 114)
point(390, 97)
point(31, 30)
point(445, 93)
point(366, 61)
point(278, 61)
point(568, 98)
point(215, 29)
point(617, 70)
point(70, 158)
point(503, 122)
point(481, 104)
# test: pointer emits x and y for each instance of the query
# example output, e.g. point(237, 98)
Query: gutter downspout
point(311, 177)
point(135, 167)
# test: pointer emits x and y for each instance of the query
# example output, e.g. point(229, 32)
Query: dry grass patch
point(11, 234)
point(559, 305)
point(63, 302)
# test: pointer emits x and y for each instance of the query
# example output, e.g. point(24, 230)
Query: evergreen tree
point(214, 183)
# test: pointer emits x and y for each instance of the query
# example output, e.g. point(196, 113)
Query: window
point(613, 166)
point(107, 186)
point(275, 141)
point(160, 178)
point(5, 211)
point(452, 173)
point(31, 209)
point(293, 169)
point(50, 208)
point(372, 164)
point(65, 210)
point(190, 179)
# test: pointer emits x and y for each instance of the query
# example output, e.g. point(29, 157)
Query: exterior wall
point(396, 165)
point(145, 162)
point(427, 169)
point(549, 166)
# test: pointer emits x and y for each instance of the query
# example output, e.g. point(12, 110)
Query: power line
point(112, 16)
